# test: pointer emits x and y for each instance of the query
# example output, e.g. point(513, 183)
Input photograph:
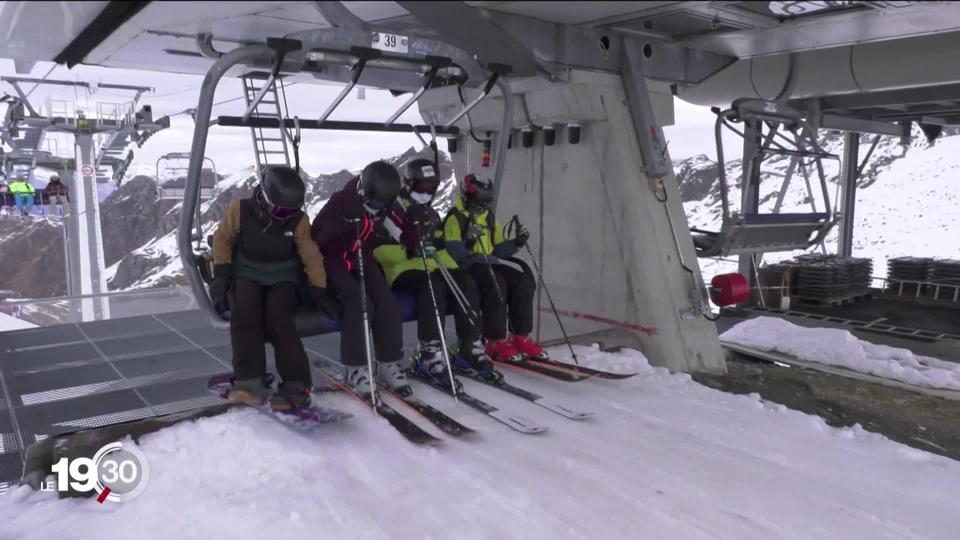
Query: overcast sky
point(321, 151)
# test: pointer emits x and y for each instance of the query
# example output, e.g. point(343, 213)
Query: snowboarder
point(260, 249)
point(57, 193)
point(476, 242)
point(343, 230)
point(402, 258)
point(23, 193)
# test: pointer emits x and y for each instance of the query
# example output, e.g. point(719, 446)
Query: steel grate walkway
point(59, 379)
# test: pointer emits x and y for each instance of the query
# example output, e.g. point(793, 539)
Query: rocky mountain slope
point(139, 231)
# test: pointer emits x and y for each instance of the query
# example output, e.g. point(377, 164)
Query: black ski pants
point(505, 293)
point(386, 317)
point(260, 314)
point(414, 282)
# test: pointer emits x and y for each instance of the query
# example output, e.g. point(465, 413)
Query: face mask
point(421, 198)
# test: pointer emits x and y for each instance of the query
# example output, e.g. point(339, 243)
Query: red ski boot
point(502, 350)
point(530, 349)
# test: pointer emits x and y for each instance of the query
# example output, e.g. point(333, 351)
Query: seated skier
point(402, 255)
point(476, 242)
point(343, 231)
point(260, 249)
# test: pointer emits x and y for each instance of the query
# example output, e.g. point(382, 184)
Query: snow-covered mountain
point(906, 201)
point(155, 261)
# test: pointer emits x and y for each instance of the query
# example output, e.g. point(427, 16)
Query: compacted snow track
point(664, 457)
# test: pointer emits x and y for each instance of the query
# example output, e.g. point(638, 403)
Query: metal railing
point(945, 292)
point(68, 309)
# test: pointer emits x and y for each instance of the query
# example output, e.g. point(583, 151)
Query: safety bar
point(282, 46)
point(427, 79)
point(357, 71)
point(334, 125)
point(476, 101)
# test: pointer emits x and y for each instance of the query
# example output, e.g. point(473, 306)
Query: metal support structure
point(848, 193)
point(84, 249)
point(750, 187)
point(652, 147)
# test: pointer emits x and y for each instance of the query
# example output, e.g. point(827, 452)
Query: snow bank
point(663, 458)
point(837, 347)
point(12, 323)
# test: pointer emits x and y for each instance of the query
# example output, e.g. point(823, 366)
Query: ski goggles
point(423, 186)
point(374, 206)
point(282, 213)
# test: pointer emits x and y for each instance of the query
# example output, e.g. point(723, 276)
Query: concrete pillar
point(601, 235)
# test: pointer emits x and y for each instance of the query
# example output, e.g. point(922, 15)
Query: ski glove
point(221, 284)
point(326, 303)
point(424, 220)
point(522, 236)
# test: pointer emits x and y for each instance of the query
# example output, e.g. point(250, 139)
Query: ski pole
point(366, 318)
point(458, 294)
point(515, 222)
point(436, 311)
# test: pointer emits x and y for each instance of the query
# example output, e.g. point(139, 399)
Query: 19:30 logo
point(117, 473)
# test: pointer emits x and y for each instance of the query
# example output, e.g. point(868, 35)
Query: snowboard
point(300, 420)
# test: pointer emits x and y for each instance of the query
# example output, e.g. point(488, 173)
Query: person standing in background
point(57, 192)
point(23, 194)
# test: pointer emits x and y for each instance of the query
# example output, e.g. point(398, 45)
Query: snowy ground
point(841, 348)
point(8, 322)
point(664, 458)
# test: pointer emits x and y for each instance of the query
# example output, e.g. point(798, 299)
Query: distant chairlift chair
point(750, 232)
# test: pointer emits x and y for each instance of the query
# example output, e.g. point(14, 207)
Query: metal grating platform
point(60, 379)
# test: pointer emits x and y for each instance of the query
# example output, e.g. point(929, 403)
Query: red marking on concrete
point(648, 330)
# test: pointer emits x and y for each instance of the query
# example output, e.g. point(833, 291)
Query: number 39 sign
point(116, 473)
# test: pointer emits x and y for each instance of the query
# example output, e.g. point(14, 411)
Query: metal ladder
point(269, 144)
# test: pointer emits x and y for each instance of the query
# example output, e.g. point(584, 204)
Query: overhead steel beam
point(339, 16)
point(909, 96)
point(469, 29)
point(102, 27)
point(560, 46)
point(858, 125)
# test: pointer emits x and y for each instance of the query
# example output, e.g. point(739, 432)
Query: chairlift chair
point(412, 64)
point(751, 231)
point(172, 177)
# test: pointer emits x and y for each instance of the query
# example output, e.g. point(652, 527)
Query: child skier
point(402, 258)
point(260, 248)
point(476, 242)
point(343, 231)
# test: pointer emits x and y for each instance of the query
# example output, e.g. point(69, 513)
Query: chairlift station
point(563, 104)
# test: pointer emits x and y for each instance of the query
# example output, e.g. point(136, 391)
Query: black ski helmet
point(282, 186)
point(379, 185)
point(422, 176)
point(477, 191)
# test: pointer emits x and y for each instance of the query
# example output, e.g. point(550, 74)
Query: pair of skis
point(447, 424)
point(565, 372)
